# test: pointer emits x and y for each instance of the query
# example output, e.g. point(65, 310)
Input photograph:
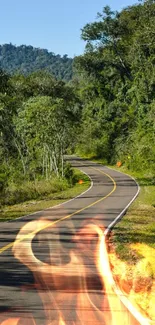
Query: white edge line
point(55, 206)
point(141, 319)
point(127, 206)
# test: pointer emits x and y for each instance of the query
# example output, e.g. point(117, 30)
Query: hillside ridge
point(25, 59)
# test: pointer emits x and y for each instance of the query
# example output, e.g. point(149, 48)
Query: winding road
point(50, 268)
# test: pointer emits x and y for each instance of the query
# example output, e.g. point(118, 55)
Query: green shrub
point(3, 182)
point(69, 173)
point(27, 190)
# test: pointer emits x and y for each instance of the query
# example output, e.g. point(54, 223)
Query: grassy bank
point(138, 225)
point(50, 194)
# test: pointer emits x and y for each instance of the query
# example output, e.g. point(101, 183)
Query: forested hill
point(27, 59)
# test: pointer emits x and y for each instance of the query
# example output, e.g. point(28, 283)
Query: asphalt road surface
point(49, 261)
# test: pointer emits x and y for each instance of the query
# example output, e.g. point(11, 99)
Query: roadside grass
point(58, 194)
point(138, 225)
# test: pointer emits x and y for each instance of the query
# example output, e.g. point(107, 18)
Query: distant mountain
point(26, 59)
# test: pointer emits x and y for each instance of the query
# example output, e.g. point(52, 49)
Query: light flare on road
point(77, 291)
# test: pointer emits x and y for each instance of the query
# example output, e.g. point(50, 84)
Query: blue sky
point(51, 24)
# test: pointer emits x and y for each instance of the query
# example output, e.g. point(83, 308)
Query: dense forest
point(107, 110)
point(116, 85)
point(27, 59)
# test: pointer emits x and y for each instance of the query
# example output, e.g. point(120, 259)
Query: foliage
point(116, 84)
point(49, 194)
point(38, 118)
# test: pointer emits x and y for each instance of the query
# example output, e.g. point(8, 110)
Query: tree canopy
point(117, 83)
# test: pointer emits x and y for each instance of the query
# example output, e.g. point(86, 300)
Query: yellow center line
point(28, 236)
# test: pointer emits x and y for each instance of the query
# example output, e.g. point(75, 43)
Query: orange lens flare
point(80, 181)
point(18, 321)
point(11, 321)
point(61, 322)
point(76, 287)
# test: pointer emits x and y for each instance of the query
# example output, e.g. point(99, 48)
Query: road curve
point(48, 272)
